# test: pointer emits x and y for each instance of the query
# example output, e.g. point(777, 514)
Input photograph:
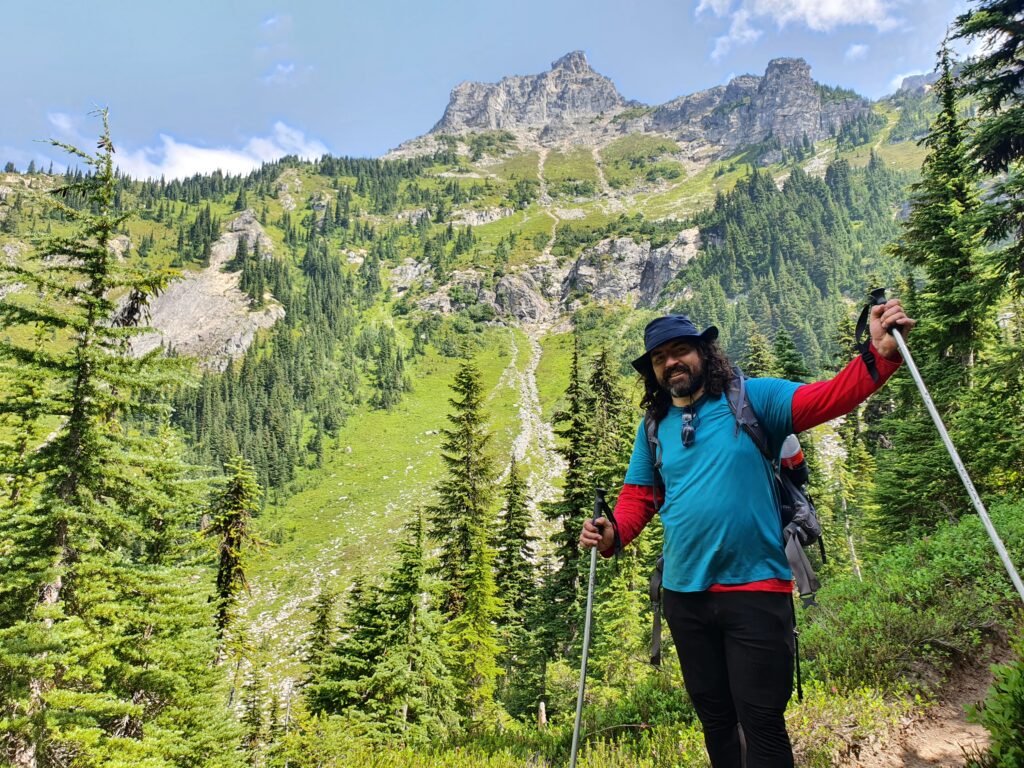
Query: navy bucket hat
point(667, 328)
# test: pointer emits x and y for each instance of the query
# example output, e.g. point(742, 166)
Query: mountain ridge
point(572, 104)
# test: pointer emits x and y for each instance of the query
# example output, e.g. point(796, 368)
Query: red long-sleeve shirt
point(813, 404)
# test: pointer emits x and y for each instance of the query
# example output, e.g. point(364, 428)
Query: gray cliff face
point(785, 103)
point(520, 296)
point(621, 269)
point(205, 315)
point(568, 91)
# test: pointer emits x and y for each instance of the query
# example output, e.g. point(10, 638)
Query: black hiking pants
point(736, 652)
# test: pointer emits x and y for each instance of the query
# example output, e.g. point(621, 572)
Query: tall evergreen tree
point(759, 359)
point(412, 687)
point(790, 363)
point(473, 636)
point(321, 632)
point(514, 569)
point(389, 669)
point(231, 524)
point(339, 683)
point(558, 621)
point(996, 78)
point(466, 494)
point(104, 639)
point(943, 235)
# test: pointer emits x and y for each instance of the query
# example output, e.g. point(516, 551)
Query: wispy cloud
point(287, 73)
point(174, 159)
point(740, 33)
point(816, 15)
point(856, 51)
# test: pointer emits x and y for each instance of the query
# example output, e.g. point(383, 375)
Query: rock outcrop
point(569, 91)
point(205, 315)
point(785, 103)
point(519, 296)
point(621, 269)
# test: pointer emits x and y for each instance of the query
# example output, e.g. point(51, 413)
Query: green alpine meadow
point(294, 462)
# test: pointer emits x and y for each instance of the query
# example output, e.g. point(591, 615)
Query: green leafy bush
point(920, 607)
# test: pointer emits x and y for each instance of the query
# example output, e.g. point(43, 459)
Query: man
point(727, 585)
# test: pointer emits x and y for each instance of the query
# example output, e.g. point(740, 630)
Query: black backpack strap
point(654, 585)
point(654, 448)
point(862, 341)
point(654, 588)
point(746, 419)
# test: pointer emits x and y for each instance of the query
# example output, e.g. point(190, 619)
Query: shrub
point(920, 607)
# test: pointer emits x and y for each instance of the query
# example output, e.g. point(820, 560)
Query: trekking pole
point(878, 297)
point(599, 506)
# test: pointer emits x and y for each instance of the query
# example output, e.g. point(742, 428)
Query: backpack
point(800, 526)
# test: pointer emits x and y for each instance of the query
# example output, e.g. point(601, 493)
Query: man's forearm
point(633, 510)
point(816, 403)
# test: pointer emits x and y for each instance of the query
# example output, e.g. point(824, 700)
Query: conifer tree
point(231, 524)
point(516, 581)
point(389, 668)
point(412, 690)
point(103, 631)
point(253, 722)
point(996, 78)
point(321, 634)
point(943, 235)
point(558, 621)
point(466, 493)
point(610, 423)
point(513, 565)
point(340, 681)
point(788, 359)
point(759, 359)
point(474, 636)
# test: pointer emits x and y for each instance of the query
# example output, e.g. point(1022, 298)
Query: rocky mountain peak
point(571, 90)
point(574, 61)
point(787, 69)
point(785, 103)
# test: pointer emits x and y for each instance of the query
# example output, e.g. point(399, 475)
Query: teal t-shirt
point(721, 515)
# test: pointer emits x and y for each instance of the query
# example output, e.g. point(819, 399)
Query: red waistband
point(765, 585)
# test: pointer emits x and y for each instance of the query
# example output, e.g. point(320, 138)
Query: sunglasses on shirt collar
point(690, 423)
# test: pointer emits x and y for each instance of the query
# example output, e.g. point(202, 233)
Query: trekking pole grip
point(600, 505)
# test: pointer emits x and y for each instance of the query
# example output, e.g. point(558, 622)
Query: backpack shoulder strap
point(746, 419)
point(654, 448)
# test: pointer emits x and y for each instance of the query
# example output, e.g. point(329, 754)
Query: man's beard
point(685, 387)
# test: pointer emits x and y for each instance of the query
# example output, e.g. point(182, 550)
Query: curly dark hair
point(717, 371)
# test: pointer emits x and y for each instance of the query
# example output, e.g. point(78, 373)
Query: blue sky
point(192, 86)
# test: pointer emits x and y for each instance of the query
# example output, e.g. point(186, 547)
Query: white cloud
point(281, 73)
point(816, 15)
point(64, 124)
point(740, 33)
point(176, 160)
point(856, 51)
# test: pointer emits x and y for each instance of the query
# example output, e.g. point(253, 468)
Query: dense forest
point(140, 492)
